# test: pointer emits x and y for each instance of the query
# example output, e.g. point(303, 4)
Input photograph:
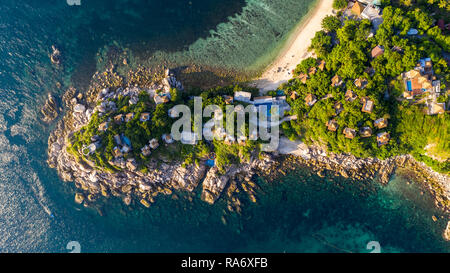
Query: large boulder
point(213, 185)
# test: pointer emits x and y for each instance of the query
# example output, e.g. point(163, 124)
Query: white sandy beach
point(296, 49)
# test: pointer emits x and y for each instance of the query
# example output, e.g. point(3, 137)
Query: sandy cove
point(296, 49)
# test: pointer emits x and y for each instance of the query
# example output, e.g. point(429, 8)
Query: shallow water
point(301, 213)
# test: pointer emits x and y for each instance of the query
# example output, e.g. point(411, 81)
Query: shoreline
point(295, 49)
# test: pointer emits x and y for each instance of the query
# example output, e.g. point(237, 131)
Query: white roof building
point(243, 96)
point(189, 138)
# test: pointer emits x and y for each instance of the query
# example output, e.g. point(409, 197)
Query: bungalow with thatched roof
point(103, 126)
point(350, 95)
point(129, 117)
point(312, 70)
point(310, 99)
point(383, 138)
point(145, 151)
point(357, 8)
point(332, 125)
point(144, 117)
point(360, 83)
point(303, 77)
point(380, 123)
point(368, 106)
point(154, 143)
point(336, 81)
point(377, 51)
point(117, 152)
point(167, 138)
point(321, 65)
point(365, 132)
point(349, 132)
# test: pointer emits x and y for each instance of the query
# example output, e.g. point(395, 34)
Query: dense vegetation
point(141, 132)
point(345, 45)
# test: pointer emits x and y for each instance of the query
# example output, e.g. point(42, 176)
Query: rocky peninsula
point(167, 175)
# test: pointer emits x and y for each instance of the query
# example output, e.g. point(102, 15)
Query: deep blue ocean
point(299, 213)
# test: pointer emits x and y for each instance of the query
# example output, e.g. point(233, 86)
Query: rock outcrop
point(446, 234)
point(50, 109)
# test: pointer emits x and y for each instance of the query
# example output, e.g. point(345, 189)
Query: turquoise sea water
point(300, 213)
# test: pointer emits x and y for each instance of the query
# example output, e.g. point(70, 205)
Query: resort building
point(365, 132)
point(161, 98)
point(310, 99)
point(322, 65)
point(118, 140)
point(357, 8)
point(349, 132)
point(173, 113)
point(228, 99)
point(416, 83)
point(372, 13)
point(380, 123)
point(167, 138)
point(336, 81)
point(303, 77)
point(242, 140)
point(360, 83)
point(189, 138)
point(367, 106)
point(435, 108)
point(243, 96)
point(294, 95)
point(312, 70)
point(412, 32)
point(125, 149)
point(377, 51)
point(229, 140)
point(118, 119)
point(88, 150)
point(425, 66)
point(131, 164)
point(350, 95)
point(338, 107)
point(117, 152)
point(332, 125)
point(145, 151)
point(383, 138)
point(262, 100)
point(144, 117)
point(103, 126)
point(129, 117)
point(154, 143)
